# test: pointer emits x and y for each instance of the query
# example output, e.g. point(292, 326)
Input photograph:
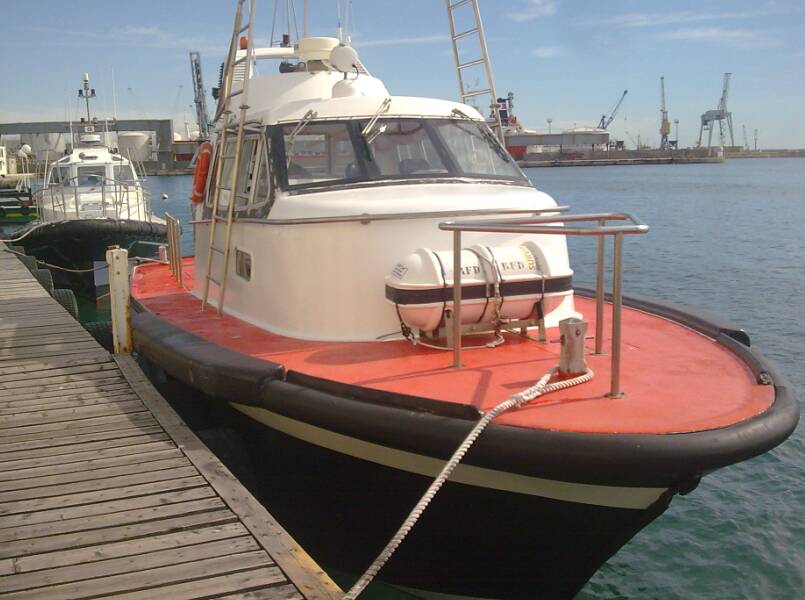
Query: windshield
point(331, 153)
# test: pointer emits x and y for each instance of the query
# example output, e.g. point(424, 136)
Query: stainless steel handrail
point(174, 233)
point(554, 225)
point(125, 192)
point(367, 218)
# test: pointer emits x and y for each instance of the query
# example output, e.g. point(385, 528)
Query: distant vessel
point(16, 201)
point(92, 198)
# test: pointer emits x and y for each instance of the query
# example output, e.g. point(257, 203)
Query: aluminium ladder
point(477, 30)
point(235, 68)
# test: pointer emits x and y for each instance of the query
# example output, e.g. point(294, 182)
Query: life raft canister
point(202, 169)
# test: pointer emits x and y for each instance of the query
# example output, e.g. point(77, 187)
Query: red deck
point(675, 380)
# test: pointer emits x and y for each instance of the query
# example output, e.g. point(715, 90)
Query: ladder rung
point(459, 3)
point(472, 63)
point(475, 93)
point(226, 189)
point(220, 219)
point(216, 249)
point(236, 93)
point(214, 280)
point(244, 28)
point(464, 34)
point(241, 60)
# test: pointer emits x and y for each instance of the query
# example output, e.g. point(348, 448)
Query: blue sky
point(568, 60)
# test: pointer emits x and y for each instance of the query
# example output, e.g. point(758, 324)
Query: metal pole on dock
point(118, 261)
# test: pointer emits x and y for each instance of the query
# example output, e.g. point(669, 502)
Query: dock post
point(117, 260)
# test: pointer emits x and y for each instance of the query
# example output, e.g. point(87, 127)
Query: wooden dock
point(104, 491)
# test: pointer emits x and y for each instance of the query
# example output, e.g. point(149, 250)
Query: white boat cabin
point(338, 195)
point(93, 182)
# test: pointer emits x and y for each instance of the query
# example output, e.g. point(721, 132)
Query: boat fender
point(202, 169)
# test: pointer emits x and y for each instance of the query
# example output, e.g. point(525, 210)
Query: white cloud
point(547, 51)
point(675, 18)
point(423, 39)
point(718, 35)
point(534, 9)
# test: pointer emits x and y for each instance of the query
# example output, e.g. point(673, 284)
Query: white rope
point(26, 234)
point(527, 395)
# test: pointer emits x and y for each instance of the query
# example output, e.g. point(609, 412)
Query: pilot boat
point(91, 198)
point(373, 277)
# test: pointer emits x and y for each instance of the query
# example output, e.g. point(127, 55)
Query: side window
point(243, 264)
point(246, 170)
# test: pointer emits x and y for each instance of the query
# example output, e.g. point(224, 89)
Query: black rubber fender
point(67, 299)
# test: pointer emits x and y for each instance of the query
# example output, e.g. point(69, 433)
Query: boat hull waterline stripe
point(637, 498)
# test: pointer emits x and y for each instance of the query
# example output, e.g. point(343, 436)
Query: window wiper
point(309, 116)
point(368, 133)
point(486, 133)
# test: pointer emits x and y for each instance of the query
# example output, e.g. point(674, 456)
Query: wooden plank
point(133, 449)
point(30, 375)
point(133, 547)
point(38, 446)
point(37, 405)
point(134, 456)
point(101, 508)
point(202, 588)
point(129, 491)
point(97, 485)
point(47, 350)
point(169, 459)
point(111, 440)
point(274, 592)
point(70, 392)
point(77, 427)
point(83, 525)
point(117, 566)
point(115, 534)
point(62, 415)
point(156, 577)
point(95, 356)
point(292, 558)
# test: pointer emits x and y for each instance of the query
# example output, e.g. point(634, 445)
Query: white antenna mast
point(304, 17)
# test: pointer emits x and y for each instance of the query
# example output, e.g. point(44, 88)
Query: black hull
point(76, 244)
point(474, 540)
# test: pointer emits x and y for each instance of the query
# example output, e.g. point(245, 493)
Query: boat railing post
point(617, 302)
point(117, 259)
point(457, 299)
point(75, 196)
point(599, 291)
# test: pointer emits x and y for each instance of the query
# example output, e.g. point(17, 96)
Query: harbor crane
point(199, 97)
point(720, 115)
point(607, 120)
point(746, 140)
point(665, 125)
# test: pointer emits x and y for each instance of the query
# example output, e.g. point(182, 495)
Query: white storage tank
point(136, 145)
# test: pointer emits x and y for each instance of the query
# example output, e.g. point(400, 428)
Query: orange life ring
point(202, 169)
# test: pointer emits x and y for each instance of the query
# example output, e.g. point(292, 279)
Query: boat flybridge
point(91, 198)
point(375, 282)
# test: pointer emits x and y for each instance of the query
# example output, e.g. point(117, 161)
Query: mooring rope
point(60, 268)
point(538, 389)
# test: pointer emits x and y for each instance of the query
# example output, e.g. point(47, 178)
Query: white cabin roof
point(355, 107)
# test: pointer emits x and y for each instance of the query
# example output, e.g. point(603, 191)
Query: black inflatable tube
point(670, 460)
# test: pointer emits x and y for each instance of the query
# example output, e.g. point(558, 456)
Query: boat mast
point(86, 94)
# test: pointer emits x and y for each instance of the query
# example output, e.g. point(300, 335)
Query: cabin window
point(243, 264)
point(227, 163)
point(319, 153)
point(404, 148)
point(91, 176)
point(262, 178)
point(246, 170)
point(122, 173)
point(60, 175)
point(474, 152)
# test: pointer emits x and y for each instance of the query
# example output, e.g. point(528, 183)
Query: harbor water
point(727, 238)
